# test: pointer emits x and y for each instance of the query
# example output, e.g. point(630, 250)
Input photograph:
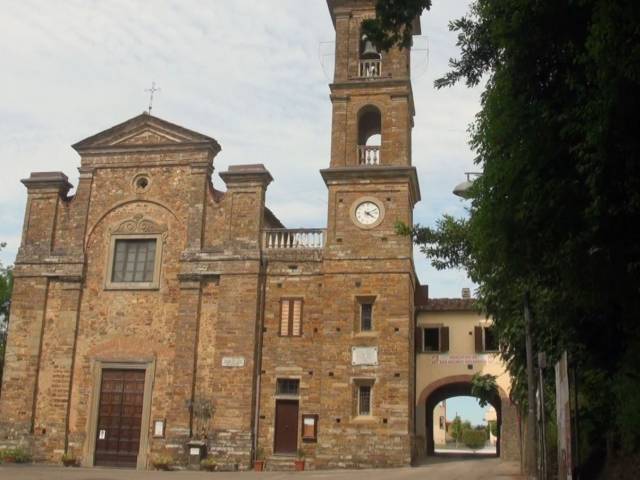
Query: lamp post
point(463, 190)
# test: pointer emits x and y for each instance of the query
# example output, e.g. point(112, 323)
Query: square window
point(134, 261)
point(366, 317)
point(432, 339)
point(287, 386)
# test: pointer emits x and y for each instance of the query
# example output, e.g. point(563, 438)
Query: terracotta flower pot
point(9, 459)
point(258, 465)
point(299, 464)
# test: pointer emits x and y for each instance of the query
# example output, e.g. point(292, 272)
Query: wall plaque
point(364, 355)
point(233, 362)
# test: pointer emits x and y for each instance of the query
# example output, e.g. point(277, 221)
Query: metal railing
point(293, 238)
point(370, 68)
point(368, 154)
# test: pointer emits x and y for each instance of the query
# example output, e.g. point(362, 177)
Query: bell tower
point(371, 94)
point(372, 119)
point(367, 269)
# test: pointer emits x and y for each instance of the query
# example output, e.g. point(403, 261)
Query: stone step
point(280, 464)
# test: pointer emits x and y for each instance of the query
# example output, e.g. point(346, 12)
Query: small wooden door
point(286, 435)
point(119, 418)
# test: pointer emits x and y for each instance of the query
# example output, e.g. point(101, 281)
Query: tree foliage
point(6, 283)
point(485, 388)
point(393, 24)
point(556, 210)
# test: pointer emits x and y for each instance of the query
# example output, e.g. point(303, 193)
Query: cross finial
point(151, 91)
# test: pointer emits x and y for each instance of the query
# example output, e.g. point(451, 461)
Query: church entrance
point(119, 418)
point(286, 435)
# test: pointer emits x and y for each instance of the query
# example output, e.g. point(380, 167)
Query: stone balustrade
point(368, 154)
point(293, 238)
point(370, 68)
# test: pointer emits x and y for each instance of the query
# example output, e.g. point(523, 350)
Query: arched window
point(369, 135)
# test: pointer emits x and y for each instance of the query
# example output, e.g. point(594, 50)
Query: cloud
point(244, 72)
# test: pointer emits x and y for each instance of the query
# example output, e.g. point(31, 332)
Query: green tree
point(456, 429)
point(484, 388)
point(556, 209)
point(393, 24)
point(6, 284)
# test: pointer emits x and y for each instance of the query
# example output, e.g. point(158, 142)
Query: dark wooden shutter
point(418, 339)
point(478, 339)
point(444, 339)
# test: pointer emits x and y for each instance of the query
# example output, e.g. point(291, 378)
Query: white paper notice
point(309, 422)
point(102, 435)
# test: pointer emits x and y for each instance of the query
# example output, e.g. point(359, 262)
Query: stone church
point(151, 311)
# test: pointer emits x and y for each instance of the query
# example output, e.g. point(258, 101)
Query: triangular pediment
point(148, 136)
point(144, 131)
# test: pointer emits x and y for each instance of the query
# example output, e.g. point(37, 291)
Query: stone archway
point(460, 385)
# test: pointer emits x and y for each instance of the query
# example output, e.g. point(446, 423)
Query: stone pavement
point(436, 468)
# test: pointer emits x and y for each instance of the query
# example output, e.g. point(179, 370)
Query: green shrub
point(474, 439)
point(15, 455)
point(208, 463)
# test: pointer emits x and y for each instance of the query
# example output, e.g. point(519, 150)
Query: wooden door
point(119, 418)
point(286, 435)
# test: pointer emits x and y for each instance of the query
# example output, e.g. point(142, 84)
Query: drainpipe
point(258, 360)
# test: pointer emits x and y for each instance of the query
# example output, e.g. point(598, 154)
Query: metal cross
point(151, 90)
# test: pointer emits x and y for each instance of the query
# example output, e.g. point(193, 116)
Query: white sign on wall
point(233, 362)
point(364, 355)
point(460, 359)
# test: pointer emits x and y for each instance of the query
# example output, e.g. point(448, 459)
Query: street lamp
point(462, 190)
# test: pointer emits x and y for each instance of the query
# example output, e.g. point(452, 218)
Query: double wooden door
point(119, 418)
point(286, 434)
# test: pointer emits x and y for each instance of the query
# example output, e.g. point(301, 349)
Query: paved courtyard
point(437, 469)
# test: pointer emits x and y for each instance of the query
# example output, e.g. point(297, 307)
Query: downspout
point(262, 288)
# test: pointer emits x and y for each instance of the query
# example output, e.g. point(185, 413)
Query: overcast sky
point(252, 74)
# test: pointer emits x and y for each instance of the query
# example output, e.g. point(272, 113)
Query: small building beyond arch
point(453, 343)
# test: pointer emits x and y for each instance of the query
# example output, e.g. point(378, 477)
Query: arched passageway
point(460, 385)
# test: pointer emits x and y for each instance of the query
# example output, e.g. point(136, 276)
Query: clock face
point(367, 213)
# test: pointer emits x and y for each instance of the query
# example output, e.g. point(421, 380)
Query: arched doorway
point(454, 386)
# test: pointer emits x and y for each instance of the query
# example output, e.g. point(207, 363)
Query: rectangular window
point(288, 386)
point(432, 339)
point(134, 261)
point(364, 400)
point(366, 317)
point(490, 340)
point(291, 317)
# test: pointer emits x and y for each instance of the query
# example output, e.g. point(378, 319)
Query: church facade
point(151, 311)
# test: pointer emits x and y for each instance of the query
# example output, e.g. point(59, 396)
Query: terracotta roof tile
point(447, 304)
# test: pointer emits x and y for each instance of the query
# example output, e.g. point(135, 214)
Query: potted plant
point(208, 464)
point(162, 462)
point(69, 460)
point(299, 462)
point(258, 465)
point(14, 455)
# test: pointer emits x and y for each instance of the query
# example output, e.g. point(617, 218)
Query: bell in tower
point(369, 51)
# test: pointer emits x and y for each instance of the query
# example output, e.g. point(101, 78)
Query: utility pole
point(530, 439)
point(542, 364)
